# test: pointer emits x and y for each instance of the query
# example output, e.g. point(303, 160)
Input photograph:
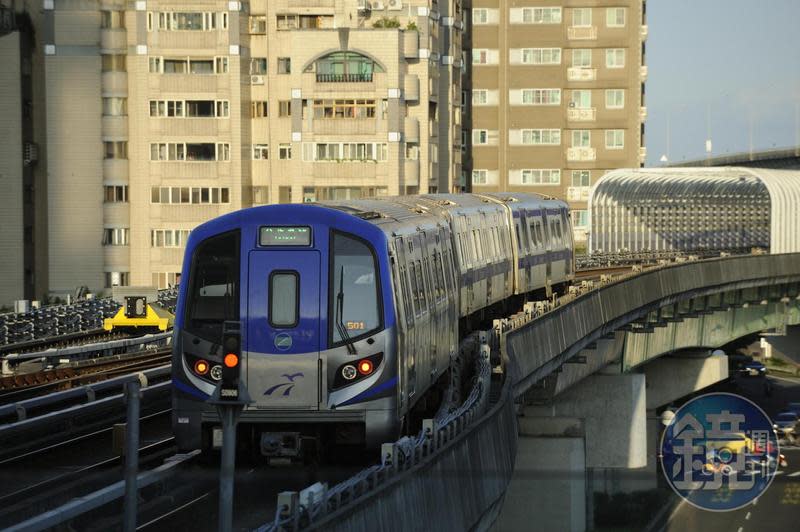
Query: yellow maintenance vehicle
point(140, 311)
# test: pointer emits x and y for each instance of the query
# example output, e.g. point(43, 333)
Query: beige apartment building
point(556, 96)
point(162, 114)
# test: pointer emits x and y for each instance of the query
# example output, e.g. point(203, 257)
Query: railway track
point(26, 385)
point(65, 340)
point(596, 273)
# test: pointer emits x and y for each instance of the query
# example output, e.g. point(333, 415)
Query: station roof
point(779, 190)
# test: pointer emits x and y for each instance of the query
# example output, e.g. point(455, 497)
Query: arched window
point(344, 67)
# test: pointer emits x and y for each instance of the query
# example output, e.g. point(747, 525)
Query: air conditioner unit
point(394, 5)
point(377, 6)
point(256, 80)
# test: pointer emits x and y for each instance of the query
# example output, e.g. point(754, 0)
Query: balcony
point(582, 114)
point(115, 127)
point(411, 128)
point(344, 78)
point(643, 72)
point(411, 172)
point(114, 83)
point(581, 154)
point(578, 193)
point(115, 170)
point(345, 170)
point(410, 44)
point(113, 40)
point(411, 88)
point(344, 126)
point(582, 33)
point(581, 74)
point(643, 31)
point(315, 3)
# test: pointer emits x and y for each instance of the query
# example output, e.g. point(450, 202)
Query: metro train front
point(319, 354)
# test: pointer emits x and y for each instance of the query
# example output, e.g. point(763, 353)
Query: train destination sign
point(273, 235)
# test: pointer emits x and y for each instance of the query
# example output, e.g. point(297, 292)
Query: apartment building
point(161, 114)
point(556, 96)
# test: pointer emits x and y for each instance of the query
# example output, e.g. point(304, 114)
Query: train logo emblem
point(283, 341)
point(719, 452)
point(289, 386)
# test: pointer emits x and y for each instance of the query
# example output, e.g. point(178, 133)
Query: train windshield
point(353, 298)
point(213, 296)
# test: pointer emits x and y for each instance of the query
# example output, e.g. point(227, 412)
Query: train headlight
point(201, 367)
point(349, 372)
point(365, 366)
point(216, 372)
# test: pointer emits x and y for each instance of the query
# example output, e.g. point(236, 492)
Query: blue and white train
point(350, 311)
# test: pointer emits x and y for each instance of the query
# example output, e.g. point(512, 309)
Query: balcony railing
point(582, 114)
point(581, 154)
point(582, 32)
point(344, 78)
point(581, 74)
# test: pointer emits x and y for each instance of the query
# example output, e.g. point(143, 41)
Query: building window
point(581, 138)
point(480, 16)
point(168, 238)
point(480, 97)
point(257, 24)
point(164, 280)
point(199, 151)
point(582, 16)
point(115, 149)
point(112, 20)
point(189, 195)
point(345, 151)
point(113, 62)
point(581, 58)
point(615, 99)
point(541, 15)
point(220, 65)
point(480, 177)
point(190, 21)
point(480, 136)
point(260, 152)
point(115, 106)
point(412, 151)
point(484, 56)
point(615, 17)
point(166, 108)
point(115, 193)
point(581, 178)
point(344, 67)
point(547, 176)
point(615, 58)
point(258, 66)
point(541, 56)
point(223, 109)
point(155, 65)
point(259, 109)
point(304, 22)
point(284, 151)
point(344, 108)
point(541, 96)
point(541, 137)
point(117, 236)
point(117, 279)
point(223, 151)
point(581, 99)
point(580, 218)
point(284, 65)
point(615, 139)
point(284, 108)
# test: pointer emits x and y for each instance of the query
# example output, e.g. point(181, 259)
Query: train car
point(349, 311)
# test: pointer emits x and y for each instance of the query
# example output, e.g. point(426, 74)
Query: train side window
point(284, 299)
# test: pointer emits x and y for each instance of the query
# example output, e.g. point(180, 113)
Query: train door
point(284, 367)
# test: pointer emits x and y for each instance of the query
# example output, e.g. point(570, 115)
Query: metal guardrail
point(82, 351)
point(100, 497)
point(441, 448)
point(61, 415)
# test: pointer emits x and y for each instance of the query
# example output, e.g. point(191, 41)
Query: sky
point(735, 61)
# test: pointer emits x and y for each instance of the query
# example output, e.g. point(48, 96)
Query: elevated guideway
point(563, 365)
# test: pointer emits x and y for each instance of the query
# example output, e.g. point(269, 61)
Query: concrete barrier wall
point(539, 347)
point(452, 491)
